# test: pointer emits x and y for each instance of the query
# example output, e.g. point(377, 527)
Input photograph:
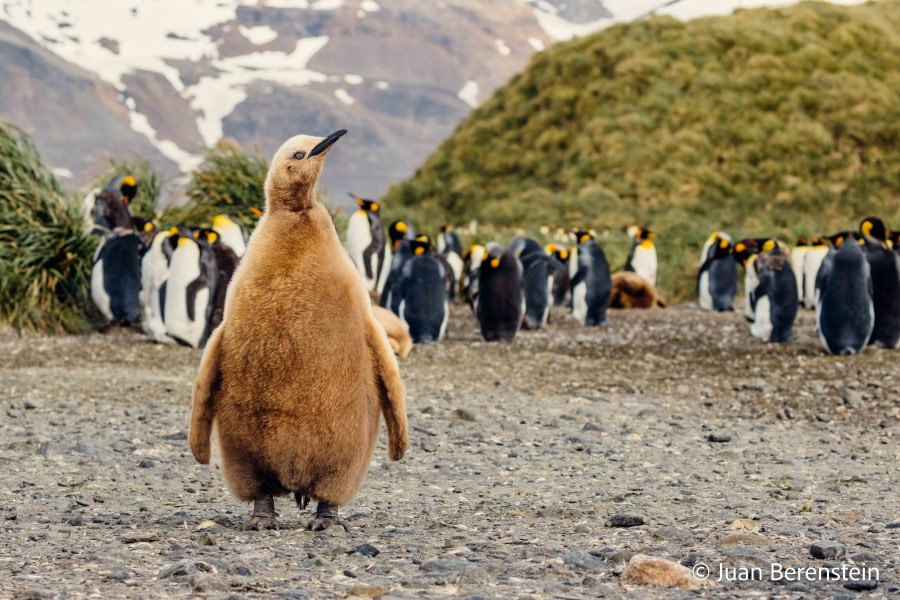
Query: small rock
point(351, 574)
point(366, 550)
point(368, 591)
point(444, 565)
point(428, 446)
point(796, 586)
point(316, 561)
point(461, 414)
point(650, 570)
point(719, 438)
point(861, 586)
point(866, 558)
point(13, 413)
point(118, 576)
point(827, 549)
point(43, 449)
point(625, 520)
point(179, 435)
point(180, 569)
point(140, 536)
point(31, 404)
point(620, 556)
point(893, 525)
point(747, 525)
point(590, 427)
point(239, 569)
point(583, 560)
point(823, 418)
point(747, 539)
point(206, 539)
point(146, 464)
point(76, 522)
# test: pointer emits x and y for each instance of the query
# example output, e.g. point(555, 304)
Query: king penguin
point(500, 300)
point(190, 291)
point(559, 266)
point(226, 261)
point(468, 287)
point(231, 233)
point(592, 283)
point(422, 290)
point(885, 267)
point(717, 280)
point(642, 256)
point(366, 244)
point(450, 248)
point(296, 377)
point(798, 257)
point(845, 312)
point(116, 266)
point(815, 254)
point(774, 299)
point(154, 273)
point(537, 278)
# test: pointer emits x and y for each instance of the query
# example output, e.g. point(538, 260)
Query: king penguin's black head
point(874, 227)
point(420, 245)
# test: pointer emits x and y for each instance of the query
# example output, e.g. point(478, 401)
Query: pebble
point(206, 539)
point(316, 561)
point(719, 438)
point(31, 404)
point(13, 413)
point(625, 520)
point(179, 569)
point(118, 576)
point(583, 560)
point(826, 549)
point(366, 550)
point(445, 565)
point(141, 536)
point(461, 414)
point(146, 464)
point(368, 591)
point(861, 586)
point(239, 569)
point(659, 572)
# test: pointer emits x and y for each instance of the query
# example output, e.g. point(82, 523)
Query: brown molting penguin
point(630, 290)
point(299, 372)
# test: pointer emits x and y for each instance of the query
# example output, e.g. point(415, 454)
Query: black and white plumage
point(845, 311)
point(774, 299)
point(366, 244)
point(537, 278)
point(190, 291)
point(642, 257)
point(500, 301)
point(717, 279)
point(422, 297)
point(592, 284)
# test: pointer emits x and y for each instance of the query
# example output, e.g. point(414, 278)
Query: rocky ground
point(536, 470)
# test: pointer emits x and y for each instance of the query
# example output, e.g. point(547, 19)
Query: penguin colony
point(174, 282)
point(851, 280)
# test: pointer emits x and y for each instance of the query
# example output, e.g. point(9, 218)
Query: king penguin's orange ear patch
point(256, 211)
point(495, 262)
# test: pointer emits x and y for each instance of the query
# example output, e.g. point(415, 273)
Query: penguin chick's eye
point(299, 154)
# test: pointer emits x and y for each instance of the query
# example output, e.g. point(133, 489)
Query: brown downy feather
point(630, 290)
point(399, 338)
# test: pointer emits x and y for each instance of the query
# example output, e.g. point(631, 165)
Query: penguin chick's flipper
point(392, 394)
point(263, 516)
point(204, 403)
point(326, 516)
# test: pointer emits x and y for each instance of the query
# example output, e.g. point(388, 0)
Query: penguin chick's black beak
point(327, 142)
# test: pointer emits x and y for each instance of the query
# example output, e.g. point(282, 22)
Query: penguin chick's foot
point(326, 516)
point(263, 516)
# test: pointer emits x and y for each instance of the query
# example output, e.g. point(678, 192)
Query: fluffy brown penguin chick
point(299, 372)
point(399, 338)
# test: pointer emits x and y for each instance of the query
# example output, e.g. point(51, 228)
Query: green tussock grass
point(45, 254)
point(780, 122)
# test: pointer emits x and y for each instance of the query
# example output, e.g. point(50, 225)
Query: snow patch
point(62, 172)
point(536, 44)
point(502, 48)
point(352, 79)
point(369, 6)
point(342, 95)
point(469, 93)
point(259, 35)
point(185, 160)
point(382, 85)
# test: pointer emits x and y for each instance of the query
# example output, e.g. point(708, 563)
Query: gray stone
point(445, 565)
point(625, 520)
point(366, 550)
point(146, 464)
point(826, 549)
point(719, 437)
point(583, 560)
point(180, 569)
point(861, 586)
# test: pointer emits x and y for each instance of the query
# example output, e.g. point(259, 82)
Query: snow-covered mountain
point(166, 79)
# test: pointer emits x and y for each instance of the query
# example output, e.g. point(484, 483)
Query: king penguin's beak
point(327, 142)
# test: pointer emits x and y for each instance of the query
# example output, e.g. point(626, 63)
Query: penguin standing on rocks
point(717, 280)
point(559, 269)
point(116, 266)
point(190, 291)
point(642, 256)
point(231, 233)
point(815, 254)
point(537, 278)
point(450, 248)
point(774, 299)
point(500, 301)
point(226, 263)
point(592, 283)
point(366, 244)
point(399, 234)
point(422, 291)
point(798, 257)
point(845, 312)
point(298, 374)
point(885, 267)
point(154, 273)
point(745, 253)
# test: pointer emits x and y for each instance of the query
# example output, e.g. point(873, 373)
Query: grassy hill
point(783, 122)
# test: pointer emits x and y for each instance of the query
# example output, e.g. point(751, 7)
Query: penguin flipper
point(392, 394)
point(204, 403)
